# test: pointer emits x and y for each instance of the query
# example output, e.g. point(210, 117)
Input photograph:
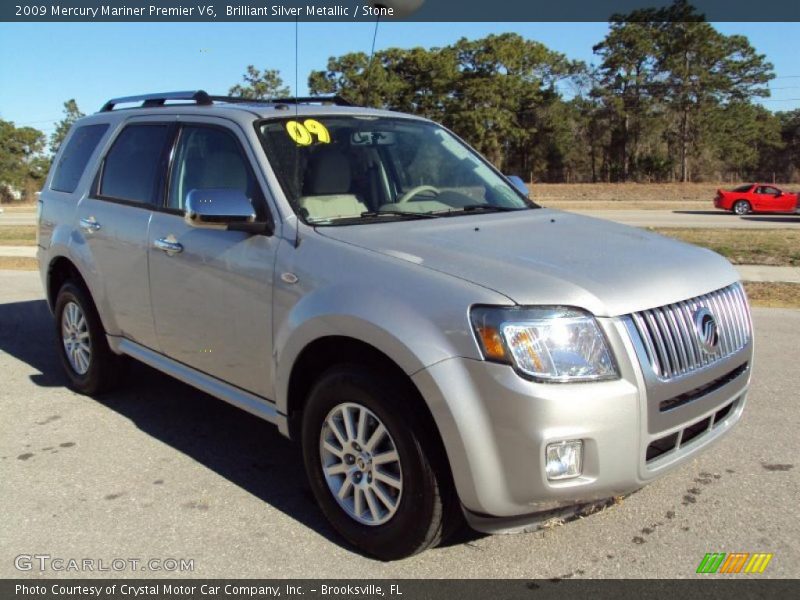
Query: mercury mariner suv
point(441, 346)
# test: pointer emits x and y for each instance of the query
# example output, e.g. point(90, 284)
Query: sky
point(44, 64)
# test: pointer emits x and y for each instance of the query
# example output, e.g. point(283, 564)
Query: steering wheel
point(414, 191)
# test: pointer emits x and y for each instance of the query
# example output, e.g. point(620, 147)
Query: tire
point(742, 207)
point(425, 509)
point(90, 365)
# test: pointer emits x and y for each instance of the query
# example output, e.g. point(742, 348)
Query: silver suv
point(442, 347)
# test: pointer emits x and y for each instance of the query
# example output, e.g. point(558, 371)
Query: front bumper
point(496, 425)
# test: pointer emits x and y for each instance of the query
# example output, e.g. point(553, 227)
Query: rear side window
point(131, 168)
point(75, 157)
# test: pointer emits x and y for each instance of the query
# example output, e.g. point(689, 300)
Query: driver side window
point(208, 158)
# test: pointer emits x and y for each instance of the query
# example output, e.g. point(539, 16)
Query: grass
point(18, 263)
point(774, 247)
point(17, 235)
point(19, 207)
point(773, 295)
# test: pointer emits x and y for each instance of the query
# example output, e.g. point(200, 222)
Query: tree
point(384, 82)
point(698, 67)
point(665, 68)
point(71, 114)
point(21, 160)
point(260, 85)
point(667, 100)
point(787, 159)
point(740, 135)
point(504, 80)
point(624, 81)
point(485, 90)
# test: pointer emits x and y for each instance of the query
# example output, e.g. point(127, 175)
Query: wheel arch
point(329, 351)
point(60, 270)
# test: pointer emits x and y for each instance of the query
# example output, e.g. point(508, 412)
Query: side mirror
point(221, 208)
point(517, 182)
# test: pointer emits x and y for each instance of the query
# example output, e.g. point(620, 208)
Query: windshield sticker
point(308, 132)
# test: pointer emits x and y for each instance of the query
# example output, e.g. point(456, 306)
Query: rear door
point(113, 219)
point(212, 298)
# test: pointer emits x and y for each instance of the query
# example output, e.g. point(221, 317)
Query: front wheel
point(742, 207)
point(371, 467)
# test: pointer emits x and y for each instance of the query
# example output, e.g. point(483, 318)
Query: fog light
point(564, 459)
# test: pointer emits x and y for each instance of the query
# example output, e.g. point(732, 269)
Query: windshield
point(342, 170)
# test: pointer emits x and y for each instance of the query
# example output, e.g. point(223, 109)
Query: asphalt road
point(713, 219)
point(159, 470)
point(640, 218)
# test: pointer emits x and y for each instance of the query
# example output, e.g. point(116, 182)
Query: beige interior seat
point(326, 189)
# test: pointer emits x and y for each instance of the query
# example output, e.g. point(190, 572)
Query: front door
point(212, 289)
point(769, 199)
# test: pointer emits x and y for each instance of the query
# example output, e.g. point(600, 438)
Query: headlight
point(546, 343)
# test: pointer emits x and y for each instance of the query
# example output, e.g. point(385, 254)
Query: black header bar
point(365, 10)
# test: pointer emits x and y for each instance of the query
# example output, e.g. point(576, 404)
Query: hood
point(545, 257)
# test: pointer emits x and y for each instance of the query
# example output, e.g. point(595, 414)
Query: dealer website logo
point(735, 562)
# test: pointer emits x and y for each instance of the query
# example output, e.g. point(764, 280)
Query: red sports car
point(756, 197)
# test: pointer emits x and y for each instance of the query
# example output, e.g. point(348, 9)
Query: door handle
point(168, 245)
point(90, 224)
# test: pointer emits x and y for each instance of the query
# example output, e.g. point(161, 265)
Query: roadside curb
point(18, 251)
point(768, 274)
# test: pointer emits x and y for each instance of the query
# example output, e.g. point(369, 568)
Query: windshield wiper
point(479, 208)
point(398, 213)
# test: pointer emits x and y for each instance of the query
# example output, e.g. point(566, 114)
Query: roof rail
point(149, 100)
point(201, 98)
point(337, 100)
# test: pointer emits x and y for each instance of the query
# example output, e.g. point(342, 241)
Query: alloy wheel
point(361, 464)
point(75, 336)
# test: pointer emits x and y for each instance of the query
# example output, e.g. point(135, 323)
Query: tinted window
point(743, 188)
point(207, 158)
point(76, 155)
point(130, 171)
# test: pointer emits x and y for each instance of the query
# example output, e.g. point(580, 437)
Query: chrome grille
point(670, 340)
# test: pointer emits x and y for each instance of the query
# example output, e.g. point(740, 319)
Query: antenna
point(296, 114)
point(369, 64)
